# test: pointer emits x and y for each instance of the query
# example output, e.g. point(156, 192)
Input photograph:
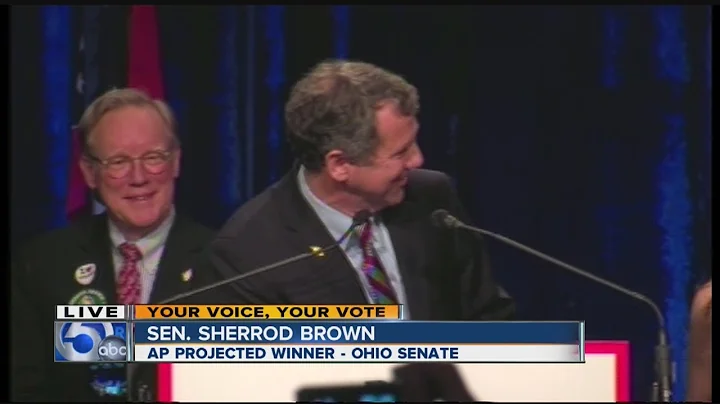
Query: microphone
point(141, 393)
point(662, 389)
point(360, 218)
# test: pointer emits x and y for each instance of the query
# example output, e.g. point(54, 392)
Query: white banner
point(604, 377)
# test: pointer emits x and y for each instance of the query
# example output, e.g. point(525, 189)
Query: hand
point(431, 381)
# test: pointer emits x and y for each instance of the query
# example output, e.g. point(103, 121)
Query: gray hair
point(333, 108)
point(120, 98)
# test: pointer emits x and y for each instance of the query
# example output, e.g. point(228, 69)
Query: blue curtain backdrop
point(582, 131)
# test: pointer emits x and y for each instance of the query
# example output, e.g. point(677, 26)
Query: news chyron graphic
point(89, 338)
point(340, 334)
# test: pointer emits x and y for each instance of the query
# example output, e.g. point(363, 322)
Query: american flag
point(118, 46)
point(80, 200)
point(101, 64)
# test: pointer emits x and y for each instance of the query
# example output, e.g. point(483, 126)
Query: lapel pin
point(187, 275)
point(89, 297)
point(85, 274)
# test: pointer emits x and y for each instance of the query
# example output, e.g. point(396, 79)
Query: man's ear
point(88, 172)
point(176, 163)
point(337, 165)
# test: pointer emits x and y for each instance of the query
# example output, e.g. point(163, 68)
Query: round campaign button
point(89, 297)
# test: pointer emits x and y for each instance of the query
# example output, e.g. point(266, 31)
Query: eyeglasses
point(155, 162)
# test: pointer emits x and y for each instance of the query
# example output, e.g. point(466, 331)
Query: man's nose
point(417, 159)
point(137, 173)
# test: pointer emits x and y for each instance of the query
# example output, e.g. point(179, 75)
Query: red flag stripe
point(144, 69)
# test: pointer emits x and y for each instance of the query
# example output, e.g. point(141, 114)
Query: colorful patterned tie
point(381, 291)
point(128, 285)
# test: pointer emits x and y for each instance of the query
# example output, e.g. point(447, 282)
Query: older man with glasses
point(139, 251)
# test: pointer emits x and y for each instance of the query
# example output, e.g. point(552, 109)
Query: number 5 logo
point(78, 342)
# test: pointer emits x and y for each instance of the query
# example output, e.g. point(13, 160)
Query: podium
point(604, 377)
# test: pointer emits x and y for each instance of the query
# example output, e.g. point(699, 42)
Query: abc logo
point(112, 349)
point(90, 342)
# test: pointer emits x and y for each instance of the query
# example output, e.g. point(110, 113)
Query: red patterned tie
point(128, 285)
point(381, 291)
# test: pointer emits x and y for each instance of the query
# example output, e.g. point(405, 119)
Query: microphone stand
point(315, 251)
point(663, 370)
point(143, 394)
point(662, 387)
point(359, 219)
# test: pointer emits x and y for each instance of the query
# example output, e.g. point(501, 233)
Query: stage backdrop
point(582, 131)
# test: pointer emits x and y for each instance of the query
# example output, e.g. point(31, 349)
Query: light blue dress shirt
point(337, 223)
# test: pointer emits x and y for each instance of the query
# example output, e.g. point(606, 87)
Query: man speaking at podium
point(352, 127)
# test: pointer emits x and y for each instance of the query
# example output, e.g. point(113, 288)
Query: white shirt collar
point(151, 242)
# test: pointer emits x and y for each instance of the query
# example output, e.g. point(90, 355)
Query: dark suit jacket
point(445, 273)
point(44, 276)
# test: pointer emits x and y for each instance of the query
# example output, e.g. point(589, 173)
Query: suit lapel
point(174, 274)
point(98, 248)
point(306, 230)
point(404, 233)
